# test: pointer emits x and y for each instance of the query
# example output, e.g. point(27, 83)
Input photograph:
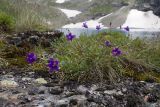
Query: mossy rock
point(143, 76)
point(12, 51)
point(18, 61)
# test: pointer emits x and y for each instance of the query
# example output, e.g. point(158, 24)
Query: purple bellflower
point(116, 52)
point(31, 58)
point(85, 25)
point(107, 43)
point(127, 29)
point(98, 27)
point(53, 65)
point(70, 37)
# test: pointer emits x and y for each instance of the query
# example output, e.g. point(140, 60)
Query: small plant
point(7, 22)
point(87, 59)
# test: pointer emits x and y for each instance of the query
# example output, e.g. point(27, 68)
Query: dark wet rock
point(152, 98)
point(150, 80)
point(91, 97)
point(73, 102)
point(42, 90)
point(50, 84)
point(55, 90)
point(33, 91)
point(147, 5)
point(71, 85)
point(16, 91)
point(100, 89)
point(61, 103)
point(134, 100)
point(33, 40)
point(118, 97)
point(24, 99)
point(3, 102)
point(126, 93)
point(34, 37)
point(10, 104)
point(70, 93)
point(16, 41)
point(2, 89)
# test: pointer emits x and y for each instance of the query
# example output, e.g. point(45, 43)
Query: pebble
point(8, 83)
point(40, 81)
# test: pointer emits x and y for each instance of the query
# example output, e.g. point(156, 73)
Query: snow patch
point(145, 20)
point(61, 1)
point(70, 13)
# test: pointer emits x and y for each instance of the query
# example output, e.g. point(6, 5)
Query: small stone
point(73, 102)
point(151, 98)
point(69, 94)
point(62, 103)
point(41, 81)
point(110, 87)
point(110, 92)
point(42, 90)
point(33, 91)
point(134, 100)
point(8, 83)
point(81, 89)
point(26, 79)
point(93, 104)
point(33, 39)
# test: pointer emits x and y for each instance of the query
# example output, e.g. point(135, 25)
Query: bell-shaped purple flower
point(31, 58)
point(116, 52)
point(127, 29)
point(85, 25)
point(98, 27)
point(70, 36)
point(108, 43)
point(53, 65)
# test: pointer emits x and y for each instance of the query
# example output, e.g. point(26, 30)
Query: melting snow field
point(90, 23)
point(145, 20)
point(60, 1)
point(70, 13)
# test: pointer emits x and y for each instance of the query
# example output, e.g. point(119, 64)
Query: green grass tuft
point(87, 59)
point(7, 22)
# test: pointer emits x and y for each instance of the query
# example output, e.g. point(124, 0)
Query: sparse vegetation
point(84, 59)
point(22, 16)
point(88, 59)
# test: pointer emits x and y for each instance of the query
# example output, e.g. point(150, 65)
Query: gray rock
point(61, 103)
point(81, 89)
point(33, 39)
point(111, 92)
point(33, 91)
point(16, 41)
point(8, 84)
point(42, 90)
point(40, 81)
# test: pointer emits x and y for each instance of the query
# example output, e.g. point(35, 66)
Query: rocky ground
point(22, 88)
point(146, 5)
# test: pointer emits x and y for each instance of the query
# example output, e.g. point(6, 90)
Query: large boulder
point(34, 38)
point(146, 5)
